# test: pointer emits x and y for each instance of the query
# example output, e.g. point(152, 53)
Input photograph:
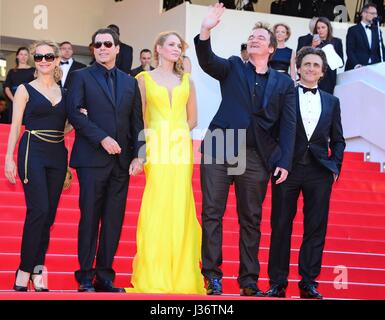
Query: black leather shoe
point(309, 292)
point(106, 286)
point(276, 291)
point(86, 286)
point(252, 290)
point(214, 286)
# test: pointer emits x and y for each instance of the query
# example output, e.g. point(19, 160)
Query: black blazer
point(123, 120)
point(357, 47)
point(136, 71)
point(274, 124)
point(327, 134)
point(124, 59)
point(75, 66)
point(304, 41)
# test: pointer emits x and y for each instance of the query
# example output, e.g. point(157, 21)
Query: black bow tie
point(313, 91)
point(368, 27)
point(64, 62)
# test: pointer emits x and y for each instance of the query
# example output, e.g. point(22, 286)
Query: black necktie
point(110, 84)
point(64, 62)
point(313, 91)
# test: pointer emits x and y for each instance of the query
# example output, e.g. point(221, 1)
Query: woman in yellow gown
point(168, 233)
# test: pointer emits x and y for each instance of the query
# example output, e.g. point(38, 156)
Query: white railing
point(362, 96)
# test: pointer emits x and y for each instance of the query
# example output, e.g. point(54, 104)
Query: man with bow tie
point(362, 41)
point(314, 170)
point(68, 64)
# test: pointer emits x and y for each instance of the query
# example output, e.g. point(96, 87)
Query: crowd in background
point(360, 51)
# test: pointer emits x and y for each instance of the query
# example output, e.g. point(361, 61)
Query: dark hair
point(17, 53)
point(273, 39)
point(145, 51)
point(243, 46)
point(114, 35)
point(305, 51)
point(367, 6)
point(65, 42)
point(115, 28)
point(330, 28)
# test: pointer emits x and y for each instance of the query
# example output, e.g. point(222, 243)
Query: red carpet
point(356, 238)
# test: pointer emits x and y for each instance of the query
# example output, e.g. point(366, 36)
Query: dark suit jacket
point(273, 124)
point(309, 8)
point(75, 66)
point(124, 59)
point(307, 40)
point(136, 71)
point(327, 134)
point(357, 47)
point(304, 41)
point(123, 120)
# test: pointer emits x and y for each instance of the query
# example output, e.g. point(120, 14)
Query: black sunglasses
point(49, 57)
point(107, 44)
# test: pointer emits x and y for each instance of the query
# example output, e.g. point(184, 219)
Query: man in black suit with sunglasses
point(105, 152)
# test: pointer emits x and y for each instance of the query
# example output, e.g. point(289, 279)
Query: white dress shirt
point(66, 68)
point(311, 107)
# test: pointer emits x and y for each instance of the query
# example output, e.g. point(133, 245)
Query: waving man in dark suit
point(254, 128)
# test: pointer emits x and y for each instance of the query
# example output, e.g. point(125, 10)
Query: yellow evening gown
point(168, 232)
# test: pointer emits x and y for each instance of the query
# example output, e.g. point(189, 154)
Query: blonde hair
point(160, 40)
point(58, 73)
point(288, 30)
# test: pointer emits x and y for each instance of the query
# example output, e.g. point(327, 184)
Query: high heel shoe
point(19, 288)
point(37, 282)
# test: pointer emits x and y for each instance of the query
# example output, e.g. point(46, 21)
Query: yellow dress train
point(168, 232)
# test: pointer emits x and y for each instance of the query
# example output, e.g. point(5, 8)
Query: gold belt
point(44, 135)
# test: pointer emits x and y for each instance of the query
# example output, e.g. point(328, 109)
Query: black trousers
point(103, 196)
point(315, 182)
point(42, 193)
point(250, 188)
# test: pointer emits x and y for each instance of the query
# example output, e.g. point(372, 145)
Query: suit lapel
point(119, 87)
point(249, 84)
point(363, 35)
point(101, 81)
point(324, 110)
point(299, 116)
point(72, 67)
point(271, 82)
point(374, 39)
